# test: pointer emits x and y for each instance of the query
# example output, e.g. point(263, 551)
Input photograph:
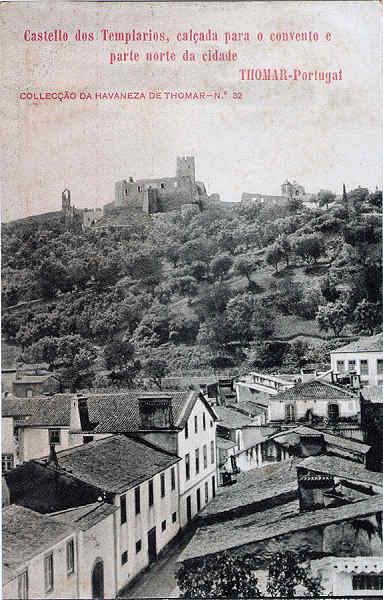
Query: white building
point(364, 356)
point(350, 576)
point(182, 423)
point(66, 555)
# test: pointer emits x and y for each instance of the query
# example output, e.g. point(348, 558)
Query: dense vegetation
point(197, 290)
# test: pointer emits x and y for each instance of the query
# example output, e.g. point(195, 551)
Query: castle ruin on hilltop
point(162, 194)
point(289, 190)
point(78, 218)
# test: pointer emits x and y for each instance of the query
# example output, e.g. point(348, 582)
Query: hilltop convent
point(78, 218)
point(288, 190)
point(164, 193)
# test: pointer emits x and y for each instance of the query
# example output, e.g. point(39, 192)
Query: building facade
point(365, 357)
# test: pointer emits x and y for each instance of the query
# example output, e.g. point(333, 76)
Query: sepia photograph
point(191, 294)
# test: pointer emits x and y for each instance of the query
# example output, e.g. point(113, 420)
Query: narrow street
point(159, 580)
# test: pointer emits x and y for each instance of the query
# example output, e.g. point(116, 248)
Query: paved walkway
point(159, 580)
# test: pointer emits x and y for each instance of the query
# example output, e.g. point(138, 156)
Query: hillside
point(192, 290)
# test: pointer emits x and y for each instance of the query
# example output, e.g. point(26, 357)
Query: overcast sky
point(321, 135)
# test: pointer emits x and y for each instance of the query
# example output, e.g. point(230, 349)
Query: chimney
point(155, 412)
point(308, 375)
point(52, 459)
point(79, 415)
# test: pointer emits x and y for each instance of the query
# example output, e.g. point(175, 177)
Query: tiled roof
point(333, 440)
point(255, 485)
point(232, 419)
point(114, 412)
point(12, 406)
point(341, 467)
point(26, 534)
point(248, 407)
point(373, 343)
point(238, 532)
point(224, 444)
point(50, 411)
point(116, 463)
point(314, 389)
point(373, 393)
point(84, 517)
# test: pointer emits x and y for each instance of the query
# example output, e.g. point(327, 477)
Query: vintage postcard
point(192, 342)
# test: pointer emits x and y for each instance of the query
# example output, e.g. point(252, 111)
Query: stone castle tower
point(65, 202)
point(185, 168)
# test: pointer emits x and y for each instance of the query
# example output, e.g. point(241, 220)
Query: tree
point(245, 266)
point(367, 315)
point(332, 316)
point(294, 204)
point(325, 197)
point(221, 576)
point(70, 356)
point(221, 265)
point(274, 255)
point(52, 276)
point(328, 289)
point(308, 247)
point(118, 354)
point(286, 573)
point(285, 246)
point(155, 368)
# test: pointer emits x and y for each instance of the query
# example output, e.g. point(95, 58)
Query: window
point(204, 421)
point(367, 582)
point(163, 525)
point(123, 508)
point(139, 188)
point(206, 492)
point(162, 186)
point(70, 557)
point(173, 478)
point(124, 557)
point(213, 486)
point(54, 436)
point(333, 411)
point(187, 466)
point(205, 456)
point(198, 500)
point(6, 462)
point(22, 585)
point(364, 367)
point(211, 423)
point(137, 500)
point(174, 517)
point(197, 461)
point(212, 452)
point(340, 366)
point(48, 572)
point(195, 424)
point(162, 485)
point(138, 546)
point(379, 366)
point(87, 438)
point(186, 430)
point(352, 365)
point(290, 412)
point(151, 494)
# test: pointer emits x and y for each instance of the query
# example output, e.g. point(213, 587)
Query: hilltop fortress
point(162, 194)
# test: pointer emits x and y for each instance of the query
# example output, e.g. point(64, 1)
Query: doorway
point(98, 580)
point(188, 508)
point(152, 545)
